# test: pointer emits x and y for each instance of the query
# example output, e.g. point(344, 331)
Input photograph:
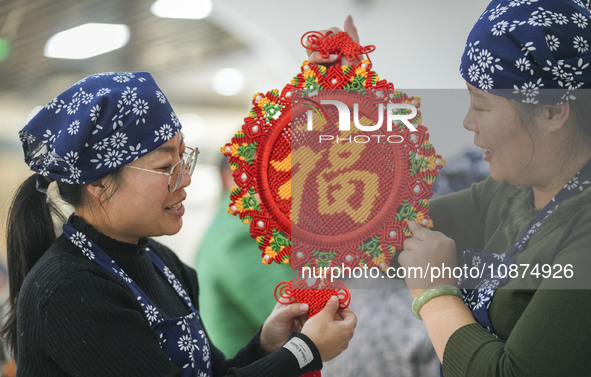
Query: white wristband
point(300, 350)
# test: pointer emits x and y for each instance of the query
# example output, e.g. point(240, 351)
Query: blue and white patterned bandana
point(533, 51)
point(99, 124)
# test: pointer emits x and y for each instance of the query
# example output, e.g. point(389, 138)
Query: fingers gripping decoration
point(330, 170)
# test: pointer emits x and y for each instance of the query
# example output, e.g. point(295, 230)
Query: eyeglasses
point(187, 164)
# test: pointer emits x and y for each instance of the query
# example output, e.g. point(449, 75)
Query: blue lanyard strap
point(572, 188)
point(95, 253)
point(182, 338)
point(479, 292)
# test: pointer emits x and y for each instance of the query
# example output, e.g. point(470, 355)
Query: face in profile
point(142, 205)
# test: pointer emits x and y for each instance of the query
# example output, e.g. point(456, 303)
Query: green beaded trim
point(431, 293)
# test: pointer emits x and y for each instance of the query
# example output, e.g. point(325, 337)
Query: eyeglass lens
point(188, 164)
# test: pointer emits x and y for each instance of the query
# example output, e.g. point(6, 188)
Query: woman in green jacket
point(527, 227)
point(511, 296)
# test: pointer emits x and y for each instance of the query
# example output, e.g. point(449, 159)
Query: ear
point(556, 116)
point(96, 188)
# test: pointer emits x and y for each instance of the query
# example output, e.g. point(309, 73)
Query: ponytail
point(29, 234)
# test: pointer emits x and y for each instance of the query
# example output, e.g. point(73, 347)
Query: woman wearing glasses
point(103, 298)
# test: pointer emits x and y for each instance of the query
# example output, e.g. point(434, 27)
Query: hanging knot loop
point(339, 44)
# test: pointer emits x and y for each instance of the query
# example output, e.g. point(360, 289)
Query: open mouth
point(486, 153)
point(175, 207)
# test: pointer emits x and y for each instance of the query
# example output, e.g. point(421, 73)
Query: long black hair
point(30, 232)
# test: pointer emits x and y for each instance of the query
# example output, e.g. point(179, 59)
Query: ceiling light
point(86, 40)
point(192, 9)
point(228, 81)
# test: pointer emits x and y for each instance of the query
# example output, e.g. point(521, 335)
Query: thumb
point(350, 29)
point(332, 306)
point(418, 231)
point(287, 312)
point(298, 309)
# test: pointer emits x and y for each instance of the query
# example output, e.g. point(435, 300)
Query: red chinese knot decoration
point(330, 170)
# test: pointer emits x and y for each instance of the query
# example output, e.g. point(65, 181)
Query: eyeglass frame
point(190, 160)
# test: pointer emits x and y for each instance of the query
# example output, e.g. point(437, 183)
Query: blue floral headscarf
point(99, 124)
point(533, 51)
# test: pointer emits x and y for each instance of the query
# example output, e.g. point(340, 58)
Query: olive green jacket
point(543, 322)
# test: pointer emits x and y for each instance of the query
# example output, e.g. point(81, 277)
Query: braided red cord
point(316, 297)
point(339, 44)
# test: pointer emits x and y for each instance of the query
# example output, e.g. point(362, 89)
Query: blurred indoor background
point(209, 67)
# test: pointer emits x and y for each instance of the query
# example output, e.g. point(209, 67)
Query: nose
point(469, 121)
point(185, 178)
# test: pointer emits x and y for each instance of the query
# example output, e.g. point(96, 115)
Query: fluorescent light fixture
point(228, 81)
point(86, 41)
point(191, 9)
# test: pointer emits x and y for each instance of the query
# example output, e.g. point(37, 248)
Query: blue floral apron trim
point(182, 338)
